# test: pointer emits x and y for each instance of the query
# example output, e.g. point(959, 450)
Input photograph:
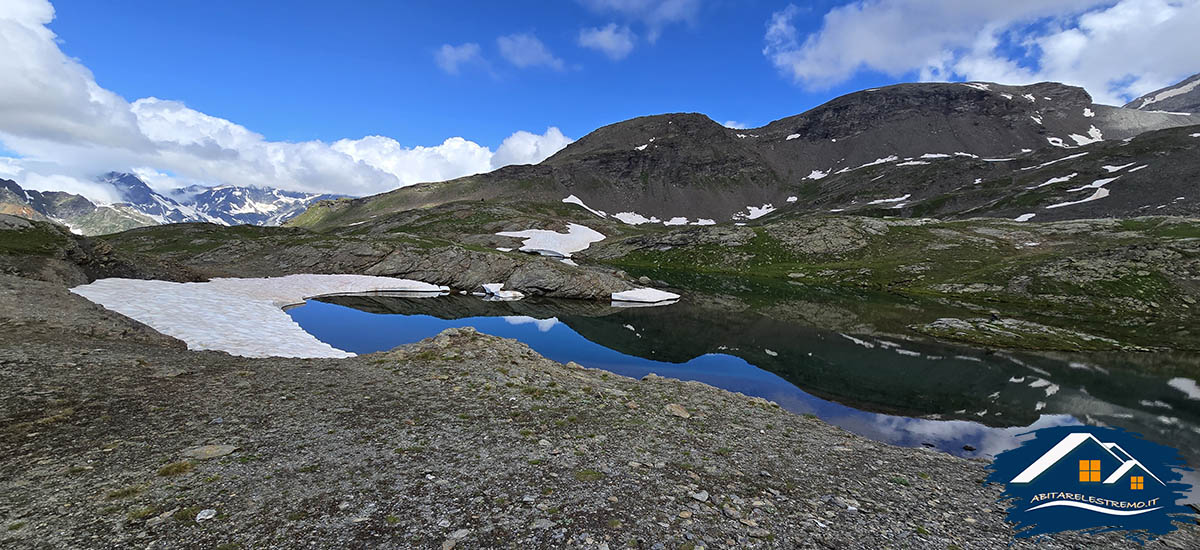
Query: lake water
point(960, 400)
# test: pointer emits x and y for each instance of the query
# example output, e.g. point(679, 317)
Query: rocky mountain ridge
point(920, 146)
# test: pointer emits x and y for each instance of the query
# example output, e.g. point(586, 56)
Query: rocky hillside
point(948, 149)
point(142, 206)
point(1183, 97)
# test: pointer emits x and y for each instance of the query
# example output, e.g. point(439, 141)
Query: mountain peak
point(1183, 97)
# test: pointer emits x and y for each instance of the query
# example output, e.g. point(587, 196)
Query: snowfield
point(552, 243)
point(238, 316)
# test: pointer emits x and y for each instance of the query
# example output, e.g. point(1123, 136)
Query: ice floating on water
point(495, 292)
point(645, 296)
point(552, 243)
point(238, 316)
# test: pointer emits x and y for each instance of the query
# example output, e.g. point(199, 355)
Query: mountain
point(73, 211)
point(1183, 97)
point(231, 205)
point(928, 149)
point(142, 206)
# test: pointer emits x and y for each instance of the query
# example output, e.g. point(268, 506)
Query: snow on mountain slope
point(1183, 97)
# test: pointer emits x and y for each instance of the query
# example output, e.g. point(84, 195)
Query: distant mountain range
point(1040, 152)
point(142, 206)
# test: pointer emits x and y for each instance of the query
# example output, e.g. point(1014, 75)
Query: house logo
point(1092, 479)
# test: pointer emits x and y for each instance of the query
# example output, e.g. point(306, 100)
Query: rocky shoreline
point(116, 436)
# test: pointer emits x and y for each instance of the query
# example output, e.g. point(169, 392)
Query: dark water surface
point(964, 401)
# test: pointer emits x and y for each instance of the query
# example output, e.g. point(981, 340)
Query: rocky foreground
point(112, 435)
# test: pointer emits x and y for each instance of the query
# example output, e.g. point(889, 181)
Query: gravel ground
point(114, 436)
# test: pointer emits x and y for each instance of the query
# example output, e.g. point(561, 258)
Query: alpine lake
point(961, 400)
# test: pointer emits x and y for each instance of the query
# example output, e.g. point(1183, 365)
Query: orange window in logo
point(1089, 471)
point(1136, 482)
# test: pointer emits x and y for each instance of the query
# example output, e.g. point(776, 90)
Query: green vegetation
point(177, 468)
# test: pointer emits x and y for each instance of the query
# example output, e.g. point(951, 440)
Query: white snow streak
point(576, 200)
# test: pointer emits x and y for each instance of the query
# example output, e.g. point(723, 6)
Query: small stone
point(460, 534)
point(206, 515)
point(612, 499)
point(543, 524)
point(444, 523)
point(207, 452)
point(701, 496)
point(543, 443)
point(731, 512)
point(759, 533)
point(970, 520)
point(685, 514)
point(675, 409)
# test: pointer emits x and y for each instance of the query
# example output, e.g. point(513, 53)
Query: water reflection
point(961, 400)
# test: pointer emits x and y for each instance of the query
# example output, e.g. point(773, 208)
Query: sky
point(361, 97)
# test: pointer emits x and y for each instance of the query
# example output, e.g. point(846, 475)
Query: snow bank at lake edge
point(238, 316)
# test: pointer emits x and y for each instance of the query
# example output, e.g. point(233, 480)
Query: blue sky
point(304, 70)
point(363, 97)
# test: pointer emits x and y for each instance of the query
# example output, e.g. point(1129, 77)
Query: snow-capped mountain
point(141, 205)
point(1183, 97)
point(231, 205)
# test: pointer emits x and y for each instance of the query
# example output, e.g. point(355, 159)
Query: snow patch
point(1111, 169)
point(793, 199)
point(676, 221)
point(1135, 169)
point(495, 291)
point(1030, 97)
point(977, 85)
point(641, 147)
point(1037, 119)
point(1088, 112)
point(1093, 136)
point(1170, 93)
point(633, 218)
point(890, 158)
point(1024, 217)
point(1099, 194)
point(645, 296)
point(1053, 181)
point(552, 243)
point(897, 199)
point(704, 221)
point(755, 212)
point(239, 316)
point(1056, 141)
point(791, 137)
point(935, 156)
point(1048, 163)
point(912, 163)
point(576, 200)
point(1094, 185)
point(816, 175)
point(1187, 386)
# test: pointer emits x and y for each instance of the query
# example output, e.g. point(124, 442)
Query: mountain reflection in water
point(961, 400)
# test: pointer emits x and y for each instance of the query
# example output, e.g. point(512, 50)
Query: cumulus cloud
point(65, 130)
point(1115, 50)
point(525, 50)
point(449, 58)
point(654, 14)
point(613, 41)
point(735, 125)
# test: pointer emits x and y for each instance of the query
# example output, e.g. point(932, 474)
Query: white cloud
point(450, 58)
point(615, 42)
point(65, 130)
point(526, 148)
point(654, 14)
point(1116, 51)
point(525, 50)
point(735, 125)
